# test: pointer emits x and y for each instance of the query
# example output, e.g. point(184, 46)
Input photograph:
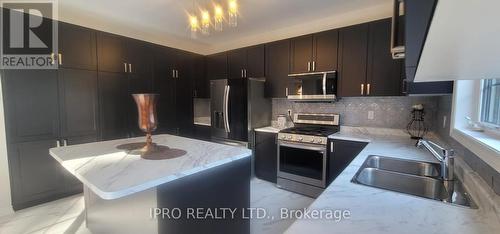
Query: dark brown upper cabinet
point(301, 53)
point(314, 53)
point(111, 53)
point(77, 47)
point(383, 72)
point(325, 51)
point(217, 66)
point(247, 62)
point(353, 60)
point(277, 57)
point(139, 58)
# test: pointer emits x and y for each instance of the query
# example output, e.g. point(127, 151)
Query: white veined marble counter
point(112, 173)
point(374, 210)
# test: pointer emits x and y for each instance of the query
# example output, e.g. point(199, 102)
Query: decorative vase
point(417, 127)
point(147, 120)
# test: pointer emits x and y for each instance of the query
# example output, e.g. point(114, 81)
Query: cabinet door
point(256, 62)
point(36, 177)
point(110, 52)
point(277, 69)
point(112, 106)
point(301, 54)
point(418, 15)
point(217, 66)
point(353, 55)
point(201, 84)
point(237, 62)
point(341, 153)
point(139, 57)
point(31, 104)
point(183, 96)
point(164, 84)
point(78, 102)
point(266, 156)
point(77, 46)
point(326, 50)
point(383, 72)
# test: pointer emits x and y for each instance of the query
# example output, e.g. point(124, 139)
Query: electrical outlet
point(444, 121)
point(371, 115)
point(289, 112)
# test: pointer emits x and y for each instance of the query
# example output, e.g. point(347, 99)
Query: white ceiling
point(165, 21)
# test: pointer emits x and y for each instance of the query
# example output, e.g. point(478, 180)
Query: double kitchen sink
point(411, 177)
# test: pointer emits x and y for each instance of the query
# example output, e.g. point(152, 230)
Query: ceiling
point(165, 21)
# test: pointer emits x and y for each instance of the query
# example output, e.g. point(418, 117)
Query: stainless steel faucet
point(444, 156)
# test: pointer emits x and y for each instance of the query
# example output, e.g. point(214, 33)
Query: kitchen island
point(127, 194)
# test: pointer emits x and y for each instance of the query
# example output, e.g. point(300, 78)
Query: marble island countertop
point(375, 210)
point(113, 173)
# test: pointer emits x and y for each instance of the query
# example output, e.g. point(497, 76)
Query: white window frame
point(467, 102)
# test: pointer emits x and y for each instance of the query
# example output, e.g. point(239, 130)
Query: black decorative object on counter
point(417, 127)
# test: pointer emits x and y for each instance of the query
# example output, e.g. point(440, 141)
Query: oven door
point(305, 163)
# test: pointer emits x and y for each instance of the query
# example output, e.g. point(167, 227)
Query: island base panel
point(224, 186)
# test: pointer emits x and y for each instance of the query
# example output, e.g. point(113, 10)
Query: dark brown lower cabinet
point(35, 176)
point(266, 158)
point(340, 154)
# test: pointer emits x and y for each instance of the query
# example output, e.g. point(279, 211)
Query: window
point(490, 106)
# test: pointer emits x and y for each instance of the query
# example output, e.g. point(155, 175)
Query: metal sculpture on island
point(148, 122)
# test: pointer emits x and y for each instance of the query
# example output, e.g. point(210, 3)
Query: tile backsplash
point(388, 112)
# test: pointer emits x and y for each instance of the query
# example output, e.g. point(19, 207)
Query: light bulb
point(193, 23)
point(218, 17)
point(205, 22)
point(233, 13)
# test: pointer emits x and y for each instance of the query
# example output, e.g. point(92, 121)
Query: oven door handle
point(303, 146)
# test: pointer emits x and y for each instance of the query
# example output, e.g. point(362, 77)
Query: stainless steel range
point(302, 153)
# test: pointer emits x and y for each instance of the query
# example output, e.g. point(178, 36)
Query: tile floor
point(67, 215)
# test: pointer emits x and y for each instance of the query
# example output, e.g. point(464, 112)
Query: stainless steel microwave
point(314, 86)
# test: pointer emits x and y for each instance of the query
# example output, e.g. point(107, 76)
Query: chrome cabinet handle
point(245, 72)
point(367, 89)
point(130, 67)
point(176, 73)
point(60, 58)
point(331, 147)
point(58, 144)
point(125, 64)
point(286, 92)
point(173, 73)
point(314, 66)
point(241, 73)
point(362, 89)
point(65, 142)
point(308, 66)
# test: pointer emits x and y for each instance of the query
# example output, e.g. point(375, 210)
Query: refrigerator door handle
point(226, 108)
point(324, 83)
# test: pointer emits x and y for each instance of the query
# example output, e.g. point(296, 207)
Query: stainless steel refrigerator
point(237, 107)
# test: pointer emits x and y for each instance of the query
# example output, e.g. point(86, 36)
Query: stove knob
point(289, 137)
point(311, 140)
point(301, 138)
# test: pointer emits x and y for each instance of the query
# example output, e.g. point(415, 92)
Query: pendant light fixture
point(218, 17)
point(205, 20)
point(233, 13)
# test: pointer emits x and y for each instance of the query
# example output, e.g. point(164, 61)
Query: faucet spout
point(444, 156)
